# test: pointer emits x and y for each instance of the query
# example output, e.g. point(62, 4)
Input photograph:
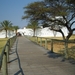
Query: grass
point(2, 43)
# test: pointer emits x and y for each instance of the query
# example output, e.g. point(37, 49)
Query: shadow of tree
point(63, 59)
point(53, 54)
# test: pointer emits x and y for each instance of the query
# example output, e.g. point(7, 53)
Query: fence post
point(52, 45)
point(37, 40)
point(4, 64)
point(40, 41)
point(7, 52)
point(46, 43)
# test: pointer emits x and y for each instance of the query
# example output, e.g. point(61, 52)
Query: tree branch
point(73, 29)
point(58, 31)
point(73, 16)
point(72, 24)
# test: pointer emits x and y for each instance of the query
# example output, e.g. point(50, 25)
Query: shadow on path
point(56, 55)
point(53, 55)
point(17, 58)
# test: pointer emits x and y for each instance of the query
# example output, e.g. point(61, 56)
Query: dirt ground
point(59, 47)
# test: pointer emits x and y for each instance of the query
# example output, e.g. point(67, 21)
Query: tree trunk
point(66, 44)
point(6, 33)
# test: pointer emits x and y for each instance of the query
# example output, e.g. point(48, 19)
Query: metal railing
point(4, 56)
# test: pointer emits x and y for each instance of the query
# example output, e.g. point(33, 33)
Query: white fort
point(41, 32)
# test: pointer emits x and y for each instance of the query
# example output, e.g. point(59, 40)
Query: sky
point(13, 11)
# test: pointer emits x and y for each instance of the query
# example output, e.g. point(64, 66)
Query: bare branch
point(73, 16)
point(64, 18)
point(58, 31)
point(73, 29)
point(72, 24)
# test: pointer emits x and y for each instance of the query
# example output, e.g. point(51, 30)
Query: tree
point(33, 25)
point(6, 25)
point(45, 12)
point(66, 10)
point(15, 28)
point(53, 13)
point(71, 2)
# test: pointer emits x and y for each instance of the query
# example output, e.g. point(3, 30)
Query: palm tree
point(33, 25)
point(6, 25)
point(15, 28)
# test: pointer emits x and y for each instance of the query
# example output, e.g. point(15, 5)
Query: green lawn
point(2, 43)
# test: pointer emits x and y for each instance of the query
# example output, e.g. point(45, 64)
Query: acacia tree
point(66, 10)
point(33, 25)
point(47, 11)
point(6, 25)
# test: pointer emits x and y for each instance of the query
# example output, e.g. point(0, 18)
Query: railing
point(43, 41)
point(4, 56)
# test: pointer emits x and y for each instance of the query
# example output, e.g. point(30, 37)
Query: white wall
point(9, 34)
point(43, 32)
point(28, 32)
point(46, 32)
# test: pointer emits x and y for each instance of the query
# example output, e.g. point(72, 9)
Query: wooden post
point(66, 49)
point(52, 45)
point(4, 64)
point(37, 40)
point(7, 52)
point(9, 44)
point(46, 43)
point(40, 41)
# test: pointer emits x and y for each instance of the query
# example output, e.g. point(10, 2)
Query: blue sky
point(13, 11)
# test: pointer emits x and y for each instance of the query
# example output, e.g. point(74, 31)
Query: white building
point(42, 32)
point(9, 34)
point(26, 31)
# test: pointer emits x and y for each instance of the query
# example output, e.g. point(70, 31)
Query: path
point(28, 58)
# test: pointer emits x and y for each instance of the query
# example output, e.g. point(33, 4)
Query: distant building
point(42, 32)
point(25, 31)
point(9, 34)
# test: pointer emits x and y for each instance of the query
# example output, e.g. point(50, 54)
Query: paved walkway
point(28, 58)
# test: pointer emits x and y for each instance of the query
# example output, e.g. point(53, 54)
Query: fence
point(67, 48)
point(4, 56)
